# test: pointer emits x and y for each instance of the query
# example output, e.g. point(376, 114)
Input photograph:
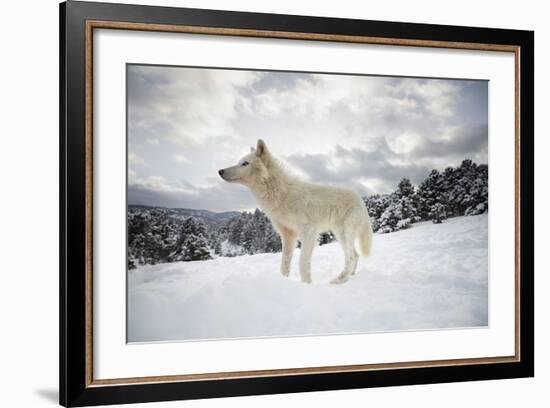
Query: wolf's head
point(250, 169)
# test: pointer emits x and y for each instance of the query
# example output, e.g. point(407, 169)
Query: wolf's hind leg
point(309, 241)
point(288, 238)
point(350, 256)
point(354, 260)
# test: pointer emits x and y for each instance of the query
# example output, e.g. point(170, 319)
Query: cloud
point(158, 184)
point(317, 94)
point(185, 109)
point(469, 140)
point(180, 158)
point(368, 172)
point(362, 132)
point(438, 97)
point(157, 191)
point(135, 159)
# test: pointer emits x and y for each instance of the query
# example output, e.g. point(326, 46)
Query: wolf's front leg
point(309, 241)
point(288, 238)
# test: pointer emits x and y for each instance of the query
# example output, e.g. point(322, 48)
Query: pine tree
point(259, 225)
point(376, 205)
point(273, 240)
point(158, 235)
point(218, 247)
point(236, 229)
point(405, 188)
point(192, 244)
point(429, 193)
point(388, 220)
point(438, 213)
point(397, 216)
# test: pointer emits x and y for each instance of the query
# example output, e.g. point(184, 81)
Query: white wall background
point(29, 205)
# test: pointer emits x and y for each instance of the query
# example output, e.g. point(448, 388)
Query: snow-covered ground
point(427, 277)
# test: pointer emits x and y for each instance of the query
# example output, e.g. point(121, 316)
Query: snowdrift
point(426, 277)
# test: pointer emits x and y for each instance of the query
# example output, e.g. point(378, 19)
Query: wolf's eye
point(245, 163)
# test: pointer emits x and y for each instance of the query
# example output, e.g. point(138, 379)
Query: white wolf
point(300, 209)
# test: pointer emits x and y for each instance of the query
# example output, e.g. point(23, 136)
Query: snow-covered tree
point(429, 193)
point(397, 216)
point(192, 244)
point(252, 233)
point(405, 188)
point(157, 235)
point(438, 213)
point(151, 237)
point(376, 205)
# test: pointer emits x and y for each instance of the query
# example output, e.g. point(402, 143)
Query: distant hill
point(208, 216)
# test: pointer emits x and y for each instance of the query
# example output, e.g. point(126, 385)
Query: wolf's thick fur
point(300, 209)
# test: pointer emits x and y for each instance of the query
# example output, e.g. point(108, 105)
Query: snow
point(229, 249)
point(430, 276)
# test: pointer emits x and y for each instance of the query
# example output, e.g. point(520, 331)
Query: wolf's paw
point(285, 272)
point(340, 279)
point(306, 280)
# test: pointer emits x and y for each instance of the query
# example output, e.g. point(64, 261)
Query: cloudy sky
point(364, 132)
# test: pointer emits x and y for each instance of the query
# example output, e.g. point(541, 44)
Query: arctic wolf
point(298, 209)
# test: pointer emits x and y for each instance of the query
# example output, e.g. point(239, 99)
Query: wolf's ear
point(252, 149)
point(261, 148)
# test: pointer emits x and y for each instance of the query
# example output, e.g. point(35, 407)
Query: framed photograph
point(256, 203)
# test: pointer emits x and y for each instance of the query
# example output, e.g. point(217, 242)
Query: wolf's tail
point(365, 237)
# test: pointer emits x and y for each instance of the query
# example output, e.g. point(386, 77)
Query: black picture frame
point(75, 386)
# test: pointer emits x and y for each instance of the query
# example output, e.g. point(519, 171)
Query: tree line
point(159, 235)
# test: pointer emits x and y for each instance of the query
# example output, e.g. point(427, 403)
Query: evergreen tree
point(218, 247)
point(158, 235)
point(429, 193)
point(376, 205)
point(192, 244)
point(273, 240)
point(388, 220)
point(397, 216)
point(405, 188)
point(438, 213)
